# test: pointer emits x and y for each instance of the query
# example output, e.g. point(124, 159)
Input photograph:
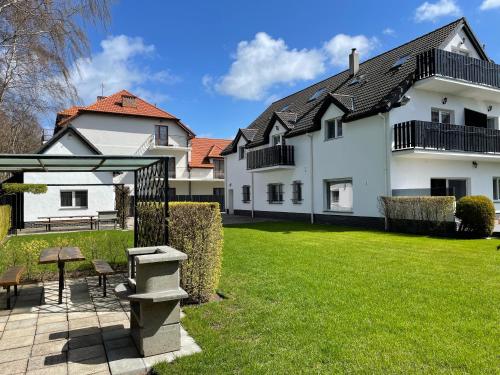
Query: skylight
point(400, 61)
point(285, 107)
point(317, 94)
point(359, 79)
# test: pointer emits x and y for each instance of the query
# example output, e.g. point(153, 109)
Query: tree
point(39, 42)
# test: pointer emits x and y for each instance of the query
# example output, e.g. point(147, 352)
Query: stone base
point(164, 340)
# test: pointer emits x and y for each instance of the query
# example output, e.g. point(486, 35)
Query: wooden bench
point(9, 278)
point(107, 216)
point(102, 268)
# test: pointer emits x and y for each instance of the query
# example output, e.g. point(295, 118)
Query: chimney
point(100, 97)
point(353, 62)
point(128, 101)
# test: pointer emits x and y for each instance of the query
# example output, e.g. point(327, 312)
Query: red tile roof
point(117, 104)
point(202, 149)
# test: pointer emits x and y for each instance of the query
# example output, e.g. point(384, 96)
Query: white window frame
point(279, 137)
point(326, 184)
point(241, 152)
point(495, 122)
point(73, 199)
point(338, 124)
point(441, 110)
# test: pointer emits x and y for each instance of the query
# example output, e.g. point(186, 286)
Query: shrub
point(196, 229)
point(122, 204)
point(4, 221)
point(12, 188)
point(477, 215)
point(418, 214)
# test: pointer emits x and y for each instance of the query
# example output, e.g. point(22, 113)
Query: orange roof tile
point(202, 149)
point(117, 104)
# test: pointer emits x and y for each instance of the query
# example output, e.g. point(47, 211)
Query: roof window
point(285, 107)
point(317, 94)
point(358, 79)
point(400, 62)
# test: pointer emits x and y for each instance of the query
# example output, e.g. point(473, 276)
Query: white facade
point(363, 158)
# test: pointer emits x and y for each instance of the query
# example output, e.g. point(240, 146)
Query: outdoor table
point(61, 255)
point(48, 224)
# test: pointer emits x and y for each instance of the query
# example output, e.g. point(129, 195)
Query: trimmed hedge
point(477, 215)
point(196, 229)
point(4, 221)
point(12, 188)
point(424, 215)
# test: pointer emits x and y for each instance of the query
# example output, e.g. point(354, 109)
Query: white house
point(123, 124)
point(420, 119)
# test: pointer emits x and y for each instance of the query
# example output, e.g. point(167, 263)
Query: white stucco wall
point(460, 41)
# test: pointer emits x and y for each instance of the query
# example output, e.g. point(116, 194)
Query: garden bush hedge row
point(477, 215)
point(12, 188)
point(4, 221)
point(424, 215)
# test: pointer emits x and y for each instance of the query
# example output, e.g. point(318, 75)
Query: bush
point(12, 188)
point(196, 229)
point(477, 215)
point(122, 204)
point(4, 221)
point(428, 215)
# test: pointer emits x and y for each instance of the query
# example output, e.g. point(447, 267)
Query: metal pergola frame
point(42, 163)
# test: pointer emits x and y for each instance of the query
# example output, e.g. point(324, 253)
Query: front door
point(230, 207)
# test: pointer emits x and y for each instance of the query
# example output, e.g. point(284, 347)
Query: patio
point(86, 334)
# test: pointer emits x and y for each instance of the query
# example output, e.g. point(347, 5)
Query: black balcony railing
point(447, 137)
point(452, 65)
point(270, 157)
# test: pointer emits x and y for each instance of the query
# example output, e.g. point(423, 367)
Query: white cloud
point(490, 4)
point(119, 65)
point(339, 47)
point(388, 31)
point(433, 11)
point(263, 62)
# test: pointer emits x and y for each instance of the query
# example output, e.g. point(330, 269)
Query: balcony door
point(449, 186)
point(161, 135)
point(474, 118)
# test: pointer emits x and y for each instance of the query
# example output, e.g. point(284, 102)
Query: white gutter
point(311, 166)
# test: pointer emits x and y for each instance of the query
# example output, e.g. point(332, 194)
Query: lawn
point(324, 299)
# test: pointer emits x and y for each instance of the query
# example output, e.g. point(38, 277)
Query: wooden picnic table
point(61, 255)
point(68, 219)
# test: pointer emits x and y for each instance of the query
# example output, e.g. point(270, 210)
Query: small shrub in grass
point(4, 221)
point(477, 215)
point(196, 229)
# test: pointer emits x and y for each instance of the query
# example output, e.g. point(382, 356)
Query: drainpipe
point(311, 166)
point(252, 200)
point(387, 150)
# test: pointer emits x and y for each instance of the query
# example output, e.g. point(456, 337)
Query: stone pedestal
point(154, 294)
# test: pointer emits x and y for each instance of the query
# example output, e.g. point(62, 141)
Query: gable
point(69, 142)
point(462, 41)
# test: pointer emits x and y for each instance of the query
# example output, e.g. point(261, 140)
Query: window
point(460, 51)
point(334, 129)
point(246, 193)
point(496, 188)
point(339, 195)
point(276, 140)
point(297, 192)
point(74, 199)
point(219, 192)
point(400, 62)
point(492, 123)
point(359, 79)
point(218, 168)
point(161, 135)
point(285, 107)
point(241, 152)
point(441, 115)
point(317, 94)
point(449, 186)
point(275, 193)
point(171, 167)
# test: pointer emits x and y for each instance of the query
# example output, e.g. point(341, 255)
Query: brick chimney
point(353, 62)
point(128, 101)
point(100, 97)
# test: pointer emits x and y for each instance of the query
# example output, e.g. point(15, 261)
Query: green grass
point(324, 299)
point(109, 245)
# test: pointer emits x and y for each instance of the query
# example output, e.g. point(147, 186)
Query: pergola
point(150, 183)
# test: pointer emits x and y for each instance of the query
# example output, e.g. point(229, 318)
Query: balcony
point(275, 157)
point(157, 145)
point(446, 139)
point(447, 72)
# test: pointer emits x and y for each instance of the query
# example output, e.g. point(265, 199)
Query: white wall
point(455, 42)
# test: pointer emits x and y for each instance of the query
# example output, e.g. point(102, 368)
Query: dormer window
point(278, 140)
point(129, 101)
point(241, 152)
point(317, 94)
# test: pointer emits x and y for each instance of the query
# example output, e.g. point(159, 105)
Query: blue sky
point(218, 64)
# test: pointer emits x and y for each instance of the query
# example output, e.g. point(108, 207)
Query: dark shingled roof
point(378, 89)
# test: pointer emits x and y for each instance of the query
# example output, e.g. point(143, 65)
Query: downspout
point(252, 200)
point(311, 166)
point(387, 150)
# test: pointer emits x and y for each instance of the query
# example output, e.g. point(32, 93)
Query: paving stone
point(3, 319)
point(20, 324)
point(87, 340)
point(45, 318)
point(115, 333)
point(16, 317)
point(15, 354)
point(51, 336)
point(52, 327)
point(126, 361)
point(43, 361)
point(111, 317)
point(2, 326)
point(121, 342)
point(51, 347)
point(109, 326)
point(154, 359)
point(81, 315)
point(61, 369)
point(97, 365)
point(83, 323)
point(20, 332)
point(80, 354)
point(84, 332)
point(15, 342)
point(4, 312)
point(15, 367)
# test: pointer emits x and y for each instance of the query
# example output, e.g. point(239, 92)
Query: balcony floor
point(445, 155)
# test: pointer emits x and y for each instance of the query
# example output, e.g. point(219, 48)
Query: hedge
point(12, 188)
point(4, 221)
point(477, 215)
point(424, 215)
point(196, 229)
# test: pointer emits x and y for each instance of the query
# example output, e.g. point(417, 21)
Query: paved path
point(87, 334)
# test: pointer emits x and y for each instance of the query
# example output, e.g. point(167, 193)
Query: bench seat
point(103, 269)
point(11, 277)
